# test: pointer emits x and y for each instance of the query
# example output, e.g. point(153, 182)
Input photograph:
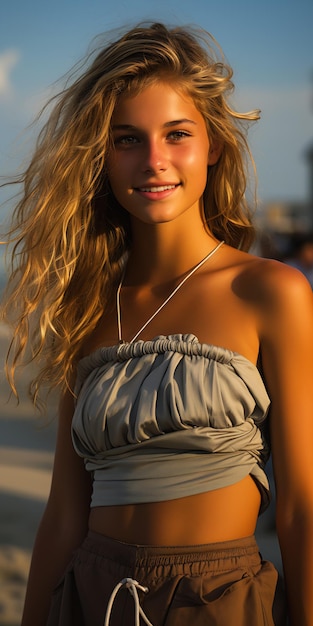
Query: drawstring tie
point(132, 586)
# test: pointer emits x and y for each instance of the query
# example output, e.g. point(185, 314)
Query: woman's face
point(158, 165)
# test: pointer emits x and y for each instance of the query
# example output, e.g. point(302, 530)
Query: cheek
point(197, 163)
point(112, 175)
point(119, 167)
point(198, 157)
point(115, 174)
point(110, 167)
point(119, 181)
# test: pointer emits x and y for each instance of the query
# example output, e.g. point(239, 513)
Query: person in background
point(301, 255)
point(180, 358)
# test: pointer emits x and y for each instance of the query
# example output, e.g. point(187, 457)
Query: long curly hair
point(70, 235)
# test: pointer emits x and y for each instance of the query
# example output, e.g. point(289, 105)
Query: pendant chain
point(182, 282)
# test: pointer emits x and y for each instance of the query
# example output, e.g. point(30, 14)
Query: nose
point(156, 157)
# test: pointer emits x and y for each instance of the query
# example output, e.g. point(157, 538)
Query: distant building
point(278, 221)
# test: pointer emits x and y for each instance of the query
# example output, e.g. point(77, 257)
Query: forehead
point(158, 101)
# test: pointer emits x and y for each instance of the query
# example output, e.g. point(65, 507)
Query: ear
point(215, 152)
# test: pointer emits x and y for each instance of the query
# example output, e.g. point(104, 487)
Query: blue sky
point(268, 43)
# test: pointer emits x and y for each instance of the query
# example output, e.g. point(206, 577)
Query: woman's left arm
point(287, 357)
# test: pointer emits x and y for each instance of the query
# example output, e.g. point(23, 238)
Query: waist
point(129, 555)
point(220, 515)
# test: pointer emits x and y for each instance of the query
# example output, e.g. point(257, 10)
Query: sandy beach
point(26, 456)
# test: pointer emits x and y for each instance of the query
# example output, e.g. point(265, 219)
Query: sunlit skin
point(257, 307)
point(158, 167)
point(235, 291)
point(158, 171)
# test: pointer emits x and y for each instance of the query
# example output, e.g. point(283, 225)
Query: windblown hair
point(70, 235)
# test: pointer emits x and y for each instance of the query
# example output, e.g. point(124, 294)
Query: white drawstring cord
point(132, 585)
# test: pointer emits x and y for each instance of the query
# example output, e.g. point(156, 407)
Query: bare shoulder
point(280, 285)
point(279, 296)
point(270, 283)
point(284, 306)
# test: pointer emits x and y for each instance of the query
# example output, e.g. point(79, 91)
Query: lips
point(156, 189)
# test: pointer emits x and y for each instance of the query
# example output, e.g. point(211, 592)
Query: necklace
point(182, 282)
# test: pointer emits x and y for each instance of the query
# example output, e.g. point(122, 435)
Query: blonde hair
point(71, 236)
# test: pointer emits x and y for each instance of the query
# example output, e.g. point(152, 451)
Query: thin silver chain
point(118, 303)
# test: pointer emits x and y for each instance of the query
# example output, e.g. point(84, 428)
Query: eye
point(177, 135)
point(125, 140)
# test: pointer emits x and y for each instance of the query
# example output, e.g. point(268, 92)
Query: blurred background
point(270, 47)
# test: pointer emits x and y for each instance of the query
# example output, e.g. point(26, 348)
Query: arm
point(64, 523)
point(287, 357)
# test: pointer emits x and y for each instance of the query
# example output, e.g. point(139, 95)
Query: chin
point(156, 219)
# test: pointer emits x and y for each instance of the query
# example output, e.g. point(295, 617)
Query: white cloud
point(8, 59)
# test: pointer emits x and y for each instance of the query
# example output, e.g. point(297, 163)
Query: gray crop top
point(162, 419)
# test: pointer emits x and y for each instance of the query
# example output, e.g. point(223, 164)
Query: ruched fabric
point(162, 419)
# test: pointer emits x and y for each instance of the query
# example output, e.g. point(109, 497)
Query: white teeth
point(156, 189)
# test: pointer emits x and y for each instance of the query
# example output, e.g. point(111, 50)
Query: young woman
point(180, 356)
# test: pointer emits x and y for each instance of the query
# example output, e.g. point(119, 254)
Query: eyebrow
point(166, 125)
point(178, 122)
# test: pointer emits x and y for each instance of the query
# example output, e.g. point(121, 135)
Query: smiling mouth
point(157, 189)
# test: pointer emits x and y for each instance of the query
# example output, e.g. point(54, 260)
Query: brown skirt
point(220, 584)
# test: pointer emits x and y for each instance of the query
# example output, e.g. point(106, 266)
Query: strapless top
point(162, 419)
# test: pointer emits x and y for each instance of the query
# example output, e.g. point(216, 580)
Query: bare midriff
point(220, 515)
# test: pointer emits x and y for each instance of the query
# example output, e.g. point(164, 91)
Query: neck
point(160, 252)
